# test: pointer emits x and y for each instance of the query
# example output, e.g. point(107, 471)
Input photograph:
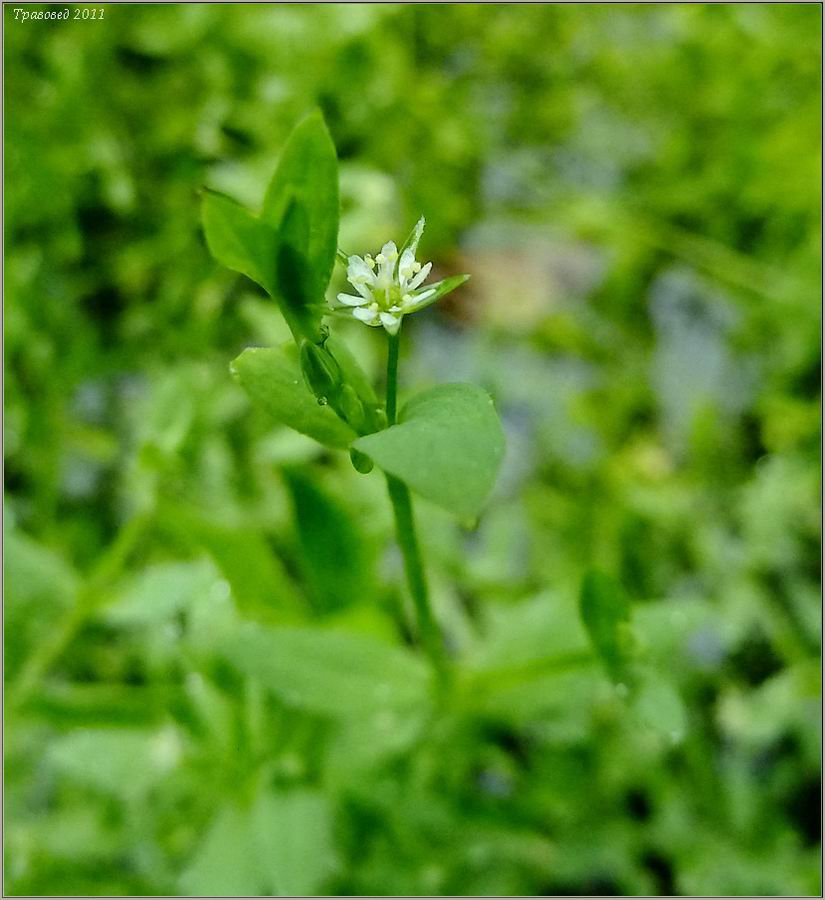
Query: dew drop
point(322, 401)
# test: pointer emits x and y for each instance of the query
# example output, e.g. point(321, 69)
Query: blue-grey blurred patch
point(706, 648)
point(694, 368)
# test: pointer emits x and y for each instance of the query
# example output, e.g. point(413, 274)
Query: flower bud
point(351, 409)
point(321, 373)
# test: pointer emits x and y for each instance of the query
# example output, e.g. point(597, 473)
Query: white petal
point(359, 272)
point(364, 291)
point(386, 263)
point(405, 266)
point(367, 316)
point(349, 300)
point(389, 322)
point(425, 271)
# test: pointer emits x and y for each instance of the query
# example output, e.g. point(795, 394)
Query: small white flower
point(387, 287)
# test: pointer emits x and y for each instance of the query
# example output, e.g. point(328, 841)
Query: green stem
point(393, 340)
point(405, 531)
point(92, 595)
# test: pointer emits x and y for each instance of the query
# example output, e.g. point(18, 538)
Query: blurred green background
point(636, 193)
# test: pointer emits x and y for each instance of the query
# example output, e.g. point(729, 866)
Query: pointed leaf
point(605, 611)
point(240, 241)
point(272, 378)
point(307, 172)
point(445, 286)
point(335, 555)
point(447, 446)
point(334, 673)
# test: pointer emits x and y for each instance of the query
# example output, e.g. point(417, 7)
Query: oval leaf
point(272, 378)
point(447, 446)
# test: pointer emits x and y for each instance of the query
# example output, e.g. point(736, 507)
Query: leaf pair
point(289, 250)
point(447, 446)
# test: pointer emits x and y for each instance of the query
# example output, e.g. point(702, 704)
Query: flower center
point(387, 297)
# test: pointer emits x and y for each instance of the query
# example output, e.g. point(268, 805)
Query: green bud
point(321, 373)
point(351, 408)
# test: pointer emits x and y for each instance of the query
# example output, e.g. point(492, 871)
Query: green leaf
point(445, 286)
point(293, 839)
point(261, 588)
point(224, 864)
point(307, 174)
point(335, 555)
point(272, 378)
point(658, 707)
point(605, 610)
point(123, 763)
point(277, 261)
point(447, 446)
point(281, 846)
point(240, 241)
point(160, 592)
point(335, 673)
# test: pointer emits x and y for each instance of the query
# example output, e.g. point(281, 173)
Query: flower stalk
point(405, 532)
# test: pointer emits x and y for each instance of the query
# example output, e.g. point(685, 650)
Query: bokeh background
point(636, 193)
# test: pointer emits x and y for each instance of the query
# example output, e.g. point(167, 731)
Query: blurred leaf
point(307, 176)
point(72, 706)
point(160, 591)
point(260, 585)
point(292, 835)
point(40, 586)
point(226, 863)
point(604, 611)
point(272, 378)
point(35, 572)
point(447, 446)
point(123, 763)
point(658, 707)
point(334, 673)
point(335, 552)
point(281, 846)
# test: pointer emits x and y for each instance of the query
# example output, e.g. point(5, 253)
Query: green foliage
point(604, 609)
point(306, 179)
point(447, 445)
point(272, 377)
point(190, 702)
point(281, 846)
point(336, 557)
point(333, 673)
point(289, 250)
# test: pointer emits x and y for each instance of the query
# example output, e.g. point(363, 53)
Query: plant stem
point(92, 595)
point(405, 531)
point(393, 340)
